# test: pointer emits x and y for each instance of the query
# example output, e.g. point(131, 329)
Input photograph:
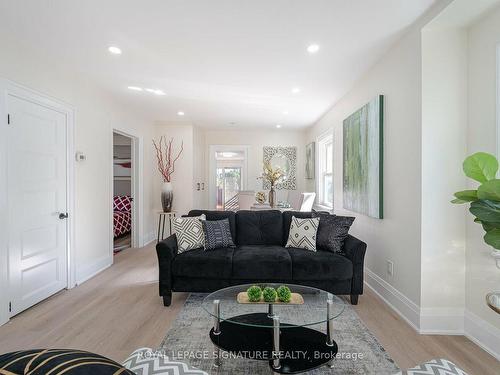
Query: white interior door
point(37, 190)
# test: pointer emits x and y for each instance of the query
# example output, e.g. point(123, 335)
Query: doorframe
point(212, 181)
point(136, 186)
point(7, 88)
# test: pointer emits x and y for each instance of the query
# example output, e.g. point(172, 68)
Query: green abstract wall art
point(363, 159)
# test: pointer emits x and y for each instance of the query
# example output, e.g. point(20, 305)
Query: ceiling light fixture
point(115, 50)
point(278, 126)
point(159, 92)
point(313, 48)
point(150, 90)
point(135, 88)
point(295, 90)
point(180, 113)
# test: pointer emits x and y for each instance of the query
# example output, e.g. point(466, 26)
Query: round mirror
point(282, 162)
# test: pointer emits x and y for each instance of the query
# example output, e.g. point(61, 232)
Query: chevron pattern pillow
point(146, 361)
point(189, 232)
point(303, 233)
point(217, 234)
point(435, 367)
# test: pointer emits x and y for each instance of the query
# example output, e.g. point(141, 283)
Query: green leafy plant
point(284, 293)
point(485, 200)
point(254, 293)
point(269, 294)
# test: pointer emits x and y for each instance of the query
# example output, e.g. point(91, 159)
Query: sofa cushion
point(332, 232)
point(217, 234)
point(303, 233)
point(287, 221)
point(259, 228)
point(261, 263)
point(319, 265)
point(189, 232)
point(213, 264)
point(218, 215)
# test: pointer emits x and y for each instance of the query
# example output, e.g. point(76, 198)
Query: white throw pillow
point(303, 233)
point(189, 232)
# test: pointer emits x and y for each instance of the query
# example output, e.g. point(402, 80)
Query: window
point(325, 170)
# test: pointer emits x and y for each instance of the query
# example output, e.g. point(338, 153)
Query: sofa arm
point(166, 251)
point(355, 250)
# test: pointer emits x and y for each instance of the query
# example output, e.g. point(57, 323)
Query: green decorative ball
point(284, 293)
point(254, 293)
point(269, 294)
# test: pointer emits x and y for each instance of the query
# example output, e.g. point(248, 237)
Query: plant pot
point(167, 196)
point(496, 255)
point(272, 197)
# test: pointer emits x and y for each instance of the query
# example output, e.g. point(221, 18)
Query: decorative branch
point(166, 165)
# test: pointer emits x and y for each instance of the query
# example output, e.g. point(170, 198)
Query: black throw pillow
point(217, 234)
point(332, 232)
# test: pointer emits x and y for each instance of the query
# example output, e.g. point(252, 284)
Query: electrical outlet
point(390, 267)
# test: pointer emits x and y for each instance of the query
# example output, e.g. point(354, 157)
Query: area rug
point(188, 341)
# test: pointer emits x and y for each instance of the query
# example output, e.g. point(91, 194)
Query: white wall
point(482, 276)
point(256, 139)
point(96, 115)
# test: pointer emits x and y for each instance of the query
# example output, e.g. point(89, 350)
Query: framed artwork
point(310, 160)
point(286, 159)
point(363, 159)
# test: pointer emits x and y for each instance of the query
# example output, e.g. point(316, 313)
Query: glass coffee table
point(278, 333)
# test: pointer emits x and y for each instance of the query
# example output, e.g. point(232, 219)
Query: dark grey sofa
point(259, 257)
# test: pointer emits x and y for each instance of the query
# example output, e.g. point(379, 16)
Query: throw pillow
point(217, 234)
point(189, 232)
point(303, 233)
point(333, 231)
point(146, 361)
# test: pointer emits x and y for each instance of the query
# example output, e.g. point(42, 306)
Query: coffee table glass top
point(312, 311)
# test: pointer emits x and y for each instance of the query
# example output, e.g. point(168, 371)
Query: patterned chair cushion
point(217, 234)
point(58, 361)
point(122, 203)
point(435, 367)
point(189, 232)
point(302, 233)
point(146, 361)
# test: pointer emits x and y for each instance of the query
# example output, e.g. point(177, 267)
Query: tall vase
point(167, 196)
point(272, 197)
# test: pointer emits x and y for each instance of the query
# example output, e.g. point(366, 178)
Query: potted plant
point(166, 167)
point(273, 176)
point(485, 200)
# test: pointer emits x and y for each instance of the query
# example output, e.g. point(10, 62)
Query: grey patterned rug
point(188, 341)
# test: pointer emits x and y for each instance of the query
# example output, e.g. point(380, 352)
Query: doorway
point(36, 197)
point(123, 196)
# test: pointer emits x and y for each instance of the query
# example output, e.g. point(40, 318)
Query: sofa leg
point(167, 299)
point(354, 299)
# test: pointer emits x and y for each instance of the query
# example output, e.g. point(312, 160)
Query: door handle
point(63, 215)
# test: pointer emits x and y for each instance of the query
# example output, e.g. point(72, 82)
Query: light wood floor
point(119, 311)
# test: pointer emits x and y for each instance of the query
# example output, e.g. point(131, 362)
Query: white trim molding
point(441, 321)
point(482, 333)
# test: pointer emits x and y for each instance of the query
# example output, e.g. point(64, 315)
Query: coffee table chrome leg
point(217, 359)
point(329, 327)
point(276, 342)
point(270, 311)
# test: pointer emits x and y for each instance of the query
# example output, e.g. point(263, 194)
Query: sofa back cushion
point(218, 215)
point(259, 227)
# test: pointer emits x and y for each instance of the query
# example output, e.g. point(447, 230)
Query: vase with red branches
point(166, 166)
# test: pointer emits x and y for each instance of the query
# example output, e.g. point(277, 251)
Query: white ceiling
point(219, 61)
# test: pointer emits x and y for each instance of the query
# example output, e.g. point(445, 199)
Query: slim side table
point(162, 219)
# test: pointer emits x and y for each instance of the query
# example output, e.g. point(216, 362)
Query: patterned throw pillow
point(189, 232)
point(333, 231)
point(122, 203)
point(303, 233)
point(146, 361)
point(217, 234)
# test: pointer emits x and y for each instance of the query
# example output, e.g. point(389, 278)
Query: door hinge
point(8, 119)
point(10, 306)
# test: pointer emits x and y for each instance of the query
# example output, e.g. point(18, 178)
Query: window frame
point(321, 156)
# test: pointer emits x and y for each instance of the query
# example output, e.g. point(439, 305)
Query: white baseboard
point(441, 321)
point(90, 271)
point(402, 305)
point(482, 333)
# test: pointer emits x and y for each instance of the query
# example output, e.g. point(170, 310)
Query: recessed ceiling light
point(295, 90)
point(313, 48)
point(285, 113)
point(150, 90)
point(159, 92)
point(135, 88)
point(115, 50)
point(180, 113)
point(278, 126)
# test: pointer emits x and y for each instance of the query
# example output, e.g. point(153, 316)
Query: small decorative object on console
point(269, 294)
point(284, 294)
point(254, 293)
point(260, 197)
